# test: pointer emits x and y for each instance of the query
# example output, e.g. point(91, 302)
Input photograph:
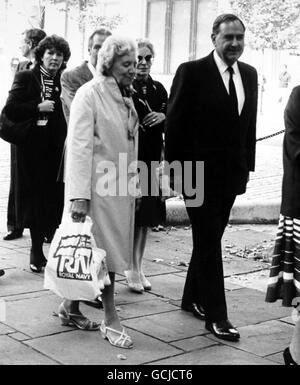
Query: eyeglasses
point(148, 58)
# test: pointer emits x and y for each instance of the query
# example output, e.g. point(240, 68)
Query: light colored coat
point(103, 125)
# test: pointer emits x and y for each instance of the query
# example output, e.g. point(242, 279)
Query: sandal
point(146, 284)
point(136, 287)
point(78, 320)
point(119, 341)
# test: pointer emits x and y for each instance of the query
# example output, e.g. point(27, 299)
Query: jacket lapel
point(218, 88)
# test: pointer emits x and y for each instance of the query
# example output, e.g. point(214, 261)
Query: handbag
point(15, 132)
point(76, 268)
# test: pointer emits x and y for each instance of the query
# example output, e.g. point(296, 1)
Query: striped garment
point(47, 83)
point(284, 281)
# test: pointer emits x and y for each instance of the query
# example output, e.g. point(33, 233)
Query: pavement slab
point(141, 309)
point(257, 281)
point(5, 329)
point(247, 237)
point(263, 339)
point(19, 336)
point(124, 296)
point(87, 348)
point(194, 343)
point(34, 316)
point(216, 355)
point(278, 358)
point(236, 265)
point(167, 327)
point(152, 267)
point(248, 307)
point(168, 286)
point(15, 258)
point(16, 353)
point(19, 282)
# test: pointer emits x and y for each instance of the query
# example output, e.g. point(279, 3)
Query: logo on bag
point(74, 255)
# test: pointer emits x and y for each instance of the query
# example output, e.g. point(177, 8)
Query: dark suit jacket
point(290, 205)
point(201, 124)
point(70, 82)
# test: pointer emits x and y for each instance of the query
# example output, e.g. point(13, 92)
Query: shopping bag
point(76, 268)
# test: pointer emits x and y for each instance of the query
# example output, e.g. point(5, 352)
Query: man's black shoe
point(14, 234)
point(223, 330)
point(2, 272)
point(196, 309)
point(97, 304)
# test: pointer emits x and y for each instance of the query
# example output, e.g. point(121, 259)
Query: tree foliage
point(88, 13)
point(270, 23)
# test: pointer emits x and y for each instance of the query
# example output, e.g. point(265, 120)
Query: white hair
point(113, 47)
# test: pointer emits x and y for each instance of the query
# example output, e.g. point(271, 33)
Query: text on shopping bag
point(74, 255)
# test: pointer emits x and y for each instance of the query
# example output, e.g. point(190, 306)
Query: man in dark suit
point(30, 40)
point(212, 118)
point(75, 78)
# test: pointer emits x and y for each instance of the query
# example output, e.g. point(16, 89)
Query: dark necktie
point(232, 90)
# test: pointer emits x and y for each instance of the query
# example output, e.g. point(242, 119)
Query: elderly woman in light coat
point(102, 147)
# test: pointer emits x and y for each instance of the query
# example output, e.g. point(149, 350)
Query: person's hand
point(79, 210)
point(153, 119)
point(46, 106)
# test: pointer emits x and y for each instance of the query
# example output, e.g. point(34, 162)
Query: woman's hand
point(46, 106)
point(153, 119)
point(79, 210)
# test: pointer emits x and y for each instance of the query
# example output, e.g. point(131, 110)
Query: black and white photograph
point(149, 185)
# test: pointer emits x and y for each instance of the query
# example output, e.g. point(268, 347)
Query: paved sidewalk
point(162, 333)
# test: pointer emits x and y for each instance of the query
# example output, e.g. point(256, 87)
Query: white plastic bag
point(76, 269)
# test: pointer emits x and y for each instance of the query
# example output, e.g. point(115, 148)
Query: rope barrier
point(270, 136)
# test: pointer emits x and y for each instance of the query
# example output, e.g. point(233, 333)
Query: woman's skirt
point(284, 281)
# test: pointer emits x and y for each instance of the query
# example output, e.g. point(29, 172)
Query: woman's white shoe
point(115, 337)
point(134, 285)
point(146, 284)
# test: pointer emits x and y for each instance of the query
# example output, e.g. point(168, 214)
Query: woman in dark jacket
point(284, 281)
point(150, 101)
point(36, 94)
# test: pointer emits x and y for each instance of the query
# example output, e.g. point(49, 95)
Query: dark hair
point(53, 41)
point(225, 18)
point(101, 31)
point(34, 35)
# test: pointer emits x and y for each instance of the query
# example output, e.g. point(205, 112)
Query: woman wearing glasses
point(150, 101)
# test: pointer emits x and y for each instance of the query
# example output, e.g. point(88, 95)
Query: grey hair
point(113, 47)
point(141, 43)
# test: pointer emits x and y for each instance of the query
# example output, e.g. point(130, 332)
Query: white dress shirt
point(237, 79)
point(92, 68)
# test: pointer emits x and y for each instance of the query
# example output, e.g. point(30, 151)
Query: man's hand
point(79, 210)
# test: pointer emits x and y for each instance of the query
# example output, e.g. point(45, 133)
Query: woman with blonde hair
point(103, 136)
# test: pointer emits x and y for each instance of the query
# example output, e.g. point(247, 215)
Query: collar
point(92, 68)
point(46, 72)
point(222, 66)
